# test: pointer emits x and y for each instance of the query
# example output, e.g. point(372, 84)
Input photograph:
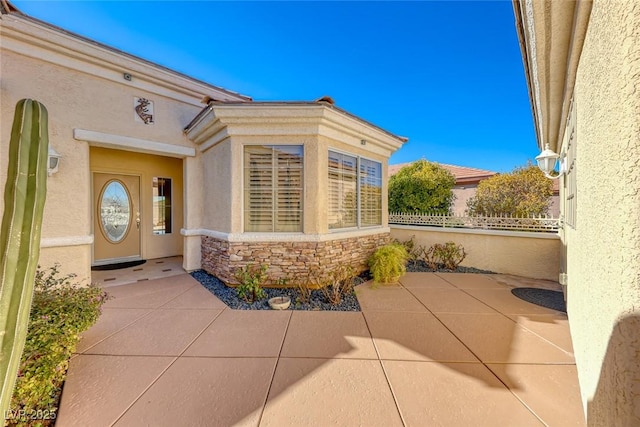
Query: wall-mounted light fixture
point(547, 163)
point(53, 161)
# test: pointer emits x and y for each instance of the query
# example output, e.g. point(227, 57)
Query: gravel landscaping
point(421, 267)
point(317, 301)
point(229, 296)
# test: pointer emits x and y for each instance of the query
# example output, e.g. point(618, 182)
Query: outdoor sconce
point(53, 161)
point(547, 163)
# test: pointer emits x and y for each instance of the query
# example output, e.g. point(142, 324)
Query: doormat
point(118, 265)
point(542, 297)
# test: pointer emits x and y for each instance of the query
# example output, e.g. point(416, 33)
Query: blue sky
point(448, 75)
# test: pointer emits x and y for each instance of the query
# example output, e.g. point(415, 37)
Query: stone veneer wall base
point(287, 260)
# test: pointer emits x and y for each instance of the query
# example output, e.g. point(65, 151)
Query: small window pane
point(161, 205)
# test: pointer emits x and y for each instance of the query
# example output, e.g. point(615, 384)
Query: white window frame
point(274, 209)
point(358, 225)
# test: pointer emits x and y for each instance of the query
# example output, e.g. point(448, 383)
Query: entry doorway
point(117, 218)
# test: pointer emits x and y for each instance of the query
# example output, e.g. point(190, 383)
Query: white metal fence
point(539, 223)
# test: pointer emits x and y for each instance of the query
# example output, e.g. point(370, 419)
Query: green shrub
point(60, 312)
point(415, 252)
point(447, 255)
point(250, 279)
point(422, 186)
point(521, 193)
point(388, 263)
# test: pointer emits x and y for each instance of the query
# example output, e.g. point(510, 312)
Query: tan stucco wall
point(77, 100)
point(89, 95)
point(526, 254)
point(603, 252)
point(217, 193)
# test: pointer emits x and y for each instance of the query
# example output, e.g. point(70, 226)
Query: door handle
point(138, 220)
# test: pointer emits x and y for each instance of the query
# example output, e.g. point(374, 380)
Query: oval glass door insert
point(115, 211)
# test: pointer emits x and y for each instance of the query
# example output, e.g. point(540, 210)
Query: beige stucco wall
point(217, 194)
point(526, 254)
point(82, 86)
point(603, 251)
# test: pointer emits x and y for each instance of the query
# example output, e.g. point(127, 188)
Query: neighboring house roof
point(218, 93)
point(463, 174)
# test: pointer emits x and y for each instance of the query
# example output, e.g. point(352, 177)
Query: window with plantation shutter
point(273, 188)
point(355, 191)
point(343, 191)
point(370, 193)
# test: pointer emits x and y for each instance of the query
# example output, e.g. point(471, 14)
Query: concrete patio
point(443, 349)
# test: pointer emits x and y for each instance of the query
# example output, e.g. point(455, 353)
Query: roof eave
point(291, 104)
point(7, 9)
point(220, 120)
point(551, 36)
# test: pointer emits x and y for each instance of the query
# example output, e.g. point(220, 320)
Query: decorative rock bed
point(229, 296)
point(317, 301)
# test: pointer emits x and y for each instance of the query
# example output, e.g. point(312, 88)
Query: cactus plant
point(24, 198)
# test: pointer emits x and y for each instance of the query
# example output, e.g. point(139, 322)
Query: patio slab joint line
point(88, 349)
point(517, 397)
point(503, 315)
point(442, 323)
point(481, 361)
point(275, 368)
point(467, 347)
point(384, 371)
point(134, 401)
point(143, 391)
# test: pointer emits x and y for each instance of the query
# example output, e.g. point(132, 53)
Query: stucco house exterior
point(155, 163)
point(581, 60)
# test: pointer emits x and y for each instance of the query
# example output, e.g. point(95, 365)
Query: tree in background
point(523, 192)
point(421, 187)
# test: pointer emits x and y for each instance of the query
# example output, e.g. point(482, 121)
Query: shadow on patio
point(440, 349)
